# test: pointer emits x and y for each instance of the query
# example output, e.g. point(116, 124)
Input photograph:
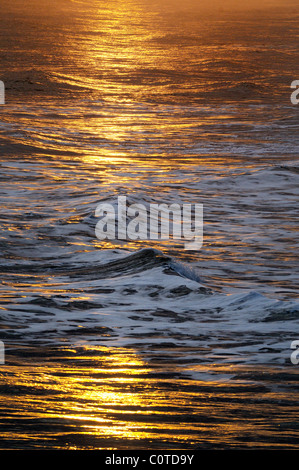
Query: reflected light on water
point(100, 397)
point(163, 105)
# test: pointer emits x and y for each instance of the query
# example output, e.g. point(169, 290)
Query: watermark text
point(156, 222)
point(295, 94)
point(2, 93)
point(2, 353)
point(295, 354)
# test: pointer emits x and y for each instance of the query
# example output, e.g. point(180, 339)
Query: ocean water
point(122, 344)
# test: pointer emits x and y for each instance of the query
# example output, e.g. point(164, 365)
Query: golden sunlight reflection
point(161, 101)
point(105, 397)
point(102, 394)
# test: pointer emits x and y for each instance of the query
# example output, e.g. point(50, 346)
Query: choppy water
point(145, 344)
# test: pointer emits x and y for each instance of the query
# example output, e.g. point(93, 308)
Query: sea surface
point(122, 344)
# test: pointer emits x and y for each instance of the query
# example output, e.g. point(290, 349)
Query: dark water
point(144, 344)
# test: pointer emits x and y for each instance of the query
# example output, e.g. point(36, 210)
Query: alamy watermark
point(295, 94)
point(295, 354)
point(155, 222)
point(2, 93)
point(2, 353)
